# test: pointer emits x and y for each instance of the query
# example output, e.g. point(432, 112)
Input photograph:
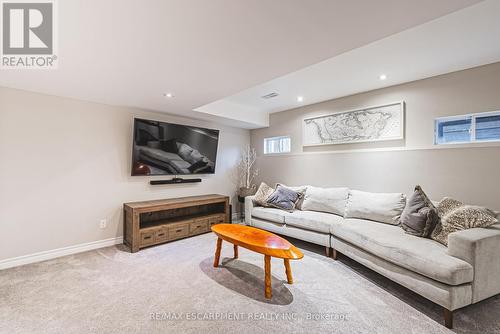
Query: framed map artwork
point(385, 122)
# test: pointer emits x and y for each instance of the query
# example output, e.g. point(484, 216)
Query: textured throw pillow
point(380, 207)
point(262, 194)
point(447, 205)
point(331, 200)
point(283, 198)
point(456, 216)
point(419, 218)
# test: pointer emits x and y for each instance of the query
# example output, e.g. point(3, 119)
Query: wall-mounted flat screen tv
point(172, 149)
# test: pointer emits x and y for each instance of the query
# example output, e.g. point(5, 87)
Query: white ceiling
point(461, 40)
point(128, 52)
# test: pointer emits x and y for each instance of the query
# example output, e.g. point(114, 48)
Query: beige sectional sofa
point(464, 273)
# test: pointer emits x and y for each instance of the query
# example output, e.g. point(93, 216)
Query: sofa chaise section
point(420, 255)
point(450, 297)
point(461, 274)
point(453, 277)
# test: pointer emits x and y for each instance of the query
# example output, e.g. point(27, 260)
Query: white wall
point(470, 173)
point(65, 164)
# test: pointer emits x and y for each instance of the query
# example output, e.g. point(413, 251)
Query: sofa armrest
point(481, 248)
point(248, 210)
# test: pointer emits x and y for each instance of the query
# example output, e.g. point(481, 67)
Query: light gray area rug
point(173, 288)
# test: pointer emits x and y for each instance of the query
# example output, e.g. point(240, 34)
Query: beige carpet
point(114, 291)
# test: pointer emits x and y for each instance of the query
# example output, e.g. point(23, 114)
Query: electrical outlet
point(103, 223)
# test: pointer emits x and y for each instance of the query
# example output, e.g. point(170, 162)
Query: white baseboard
point(55, 253)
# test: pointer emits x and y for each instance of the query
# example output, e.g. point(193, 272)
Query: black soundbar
point(175, 180)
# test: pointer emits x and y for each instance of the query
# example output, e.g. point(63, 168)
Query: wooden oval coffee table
point(259, 241)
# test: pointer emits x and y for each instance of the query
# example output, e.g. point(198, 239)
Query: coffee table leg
point(235, 247)
point(288, 271)
point(267, 269)
point(217, 252)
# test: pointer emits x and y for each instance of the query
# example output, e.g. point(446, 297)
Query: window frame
point(274, 138)
point(473, 116)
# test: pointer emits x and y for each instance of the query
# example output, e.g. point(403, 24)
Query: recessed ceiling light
point(382, 77)
point(168, 95)
point(300, 98)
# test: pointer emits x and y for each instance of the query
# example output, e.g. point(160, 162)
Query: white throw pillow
point(380, 207)
point(332, 200)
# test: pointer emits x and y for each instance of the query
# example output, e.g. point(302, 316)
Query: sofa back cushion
point(331, 200)
point(380, 207)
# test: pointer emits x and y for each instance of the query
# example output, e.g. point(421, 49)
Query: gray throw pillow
point(419, 218)
point(283, 198)
point(301, 190)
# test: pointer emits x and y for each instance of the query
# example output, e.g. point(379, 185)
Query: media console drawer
point(178, 231)
point(199, 226)
point(147, 238)
point(154, 222)
point(161, 235)
point(218, 219)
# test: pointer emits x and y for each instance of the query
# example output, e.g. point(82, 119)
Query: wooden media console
point(154, 222)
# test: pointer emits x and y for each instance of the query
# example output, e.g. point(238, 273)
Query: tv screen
point(173, 149)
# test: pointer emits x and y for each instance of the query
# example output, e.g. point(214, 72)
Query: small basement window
point(471, 128)
point(276, 145)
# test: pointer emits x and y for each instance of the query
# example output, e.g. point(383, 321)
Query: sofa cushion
point(424, 256)
point(332, 200)
point(270, 214)
point(314, 221)
point(380, 207)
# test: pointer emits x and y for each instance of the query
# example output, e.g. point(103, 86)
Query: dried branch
point(245, 166)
